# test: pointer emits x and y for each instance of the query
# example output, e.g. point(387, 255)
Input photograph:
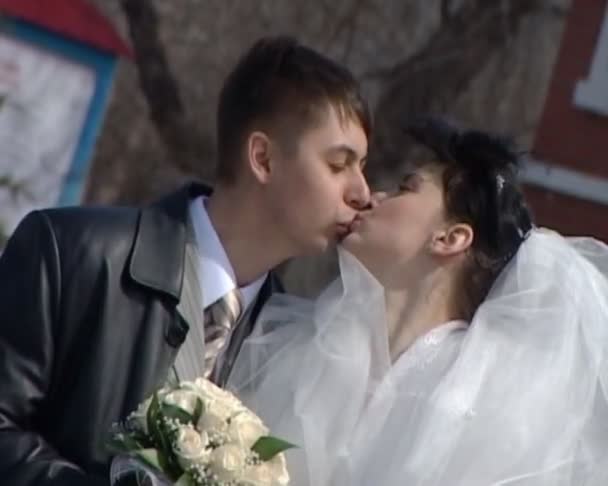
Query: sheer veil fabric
point(519, 397)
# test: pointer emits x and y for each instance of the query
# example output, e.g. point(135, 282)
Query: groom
point(99, 306)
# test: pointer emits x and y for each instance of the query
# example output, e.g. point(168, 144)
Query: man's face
point(318, 187)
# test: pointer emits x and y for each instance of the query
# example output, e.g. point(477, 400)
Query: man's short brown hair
point(280, 83)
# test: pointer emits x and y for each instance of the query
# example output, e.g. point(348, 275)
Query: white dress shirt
point(217, 279)
point(218, 276)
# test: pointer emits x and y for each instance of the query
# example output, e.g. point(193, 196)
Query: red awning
point(75, 19)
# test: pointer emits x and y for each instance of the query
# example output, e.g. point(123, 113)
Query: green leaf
point(150, 457)
point(198, 411)
point(155, 428)
point(159, 439)
point(173, 412)
point(116, 445)
point(143, 440)
point(124, 443)
point(152, 417)
point(184, 480)
point(267, 447)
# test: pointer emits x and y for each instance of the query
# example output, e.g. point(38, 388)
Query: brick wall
point(570, 136)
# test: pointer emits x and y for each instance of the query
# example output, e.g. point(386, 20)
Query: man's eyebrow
point(348, 150)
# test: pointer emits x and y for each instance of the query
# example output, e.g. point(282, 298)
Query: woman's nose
point(377, 197)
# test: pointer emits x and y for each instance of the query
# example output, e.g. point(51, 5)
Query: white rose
point(209, 389)
point(140, 416)
point(193, 387)
point(278, 470)
point(256, 475)
point(270, 473)
point(212, 392)
point(182, 398)
point(190, 447)
point(245, 429)
point(215, 417)
point(227, 462)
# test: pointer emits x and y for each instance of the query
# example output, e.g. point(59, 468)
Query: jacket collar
point(157, 261)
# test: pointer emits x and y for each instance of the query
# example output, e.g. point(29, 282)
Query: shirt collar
point(217, 275)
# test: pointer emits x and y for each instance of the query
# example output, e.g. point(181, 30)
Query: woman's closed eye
point(409, 183)
point(337, 166)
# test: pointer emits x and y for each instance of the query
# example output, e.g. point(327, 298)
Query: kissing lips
point(358, 219)
point(342, 230)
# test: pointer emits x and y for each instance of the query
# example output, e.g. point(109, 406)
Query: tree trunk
point(190, 148)
point(443, 69)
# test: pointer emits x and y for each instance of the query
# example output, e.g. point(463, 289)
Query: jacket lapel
point(190, 305)
point(164, 257)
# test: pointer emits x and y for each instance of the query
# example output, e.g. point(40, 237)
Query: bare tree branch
point(347, 25)
point(16, 188)
point(439, 72)
point(445, 11)
point(345, 22)
point(191, 151)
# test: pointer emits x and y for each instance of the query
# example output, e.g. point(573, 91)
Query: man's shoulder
point(97, 219)
point(101, 228)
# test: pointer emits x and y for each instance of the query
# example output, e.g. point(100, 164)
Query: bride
point(460, 345)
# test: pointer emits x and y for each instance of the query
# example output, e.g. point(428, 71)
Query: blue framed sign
point(53, 95)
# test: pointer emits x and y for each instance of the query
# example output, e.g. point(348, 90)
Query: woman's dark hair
point(481, 189)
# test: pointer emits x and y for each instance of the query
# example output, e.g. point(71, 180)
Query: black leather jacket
point(88, 328)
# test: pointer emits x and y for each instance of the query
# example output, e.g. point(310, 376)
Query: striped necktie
point(220, 319)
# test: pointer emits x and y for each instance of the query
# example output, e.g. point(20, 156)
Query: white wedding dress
point(519, 397)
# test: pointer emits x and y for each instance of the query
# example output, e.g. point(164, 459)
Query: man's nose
point(358, 195)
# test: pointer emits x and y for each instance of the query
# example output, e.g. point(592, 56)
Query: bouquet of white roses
point(196, 434)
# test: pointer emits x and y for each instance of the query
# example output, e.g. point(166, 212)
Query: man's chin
point(324, 243)
point(319, 245)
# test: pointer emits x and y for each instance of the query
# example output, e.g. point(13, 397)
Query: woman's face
point(396, 233)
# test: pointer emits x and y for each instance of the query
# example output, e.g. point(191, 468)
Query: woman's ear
point(259, 148)
point(453, 240)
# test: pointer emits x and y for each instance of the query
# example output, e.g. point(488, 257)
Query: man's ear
point(259, 149)
point(452, 240)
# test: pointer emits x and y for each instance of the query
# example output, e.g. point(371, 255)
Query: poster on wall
point(44, 101)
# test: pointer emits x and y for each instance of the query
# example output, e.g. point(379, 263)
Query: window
point(592, 93)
